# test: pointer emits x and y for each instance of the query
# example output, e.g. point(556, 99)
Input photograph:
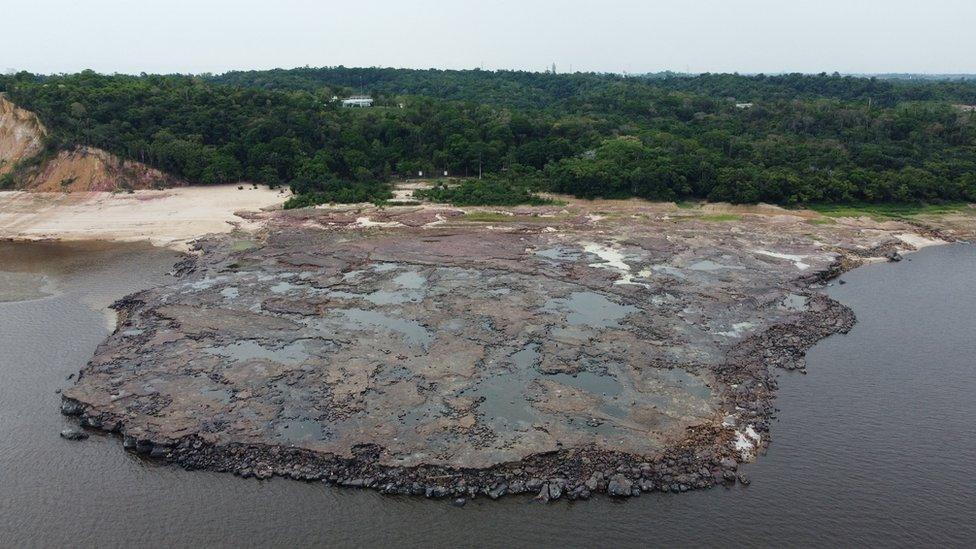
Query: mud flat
point(410, 350)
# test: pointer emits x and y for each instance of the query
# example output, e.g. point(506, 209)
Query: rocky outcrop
point(452, 360)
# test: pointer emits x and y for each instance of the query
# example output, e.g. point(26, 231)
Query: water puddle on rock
point(559, 253)
point(504, 406)
point(410, 280)
point(285, 287)
point(291, 354)
point(504, 397)
point(590, 309)
point(409, 288)
point(794, 302)
point(707, 265)
point(412, 332)
point(299, 430)
point(687, 381)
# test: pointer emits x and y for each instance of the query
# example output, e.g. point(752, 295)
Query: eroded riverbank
point(419, 353)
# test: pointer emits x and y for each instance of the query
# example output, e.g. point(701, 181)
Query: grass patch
point(822, 221)
point(882, 212)
point(721, 217)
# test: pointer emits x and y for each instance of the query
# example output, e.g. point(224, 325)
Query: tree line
point(787, 139)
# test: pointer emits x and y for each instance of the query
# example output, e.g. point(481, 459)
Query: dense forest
point(788, 139)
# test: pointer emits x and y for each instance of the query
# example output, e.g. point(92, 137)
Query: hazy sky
point(934, 36)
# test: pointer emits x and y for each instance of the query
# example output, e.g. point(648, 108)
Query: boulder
point(72, 433)
point(71, 407)
point(619, 486)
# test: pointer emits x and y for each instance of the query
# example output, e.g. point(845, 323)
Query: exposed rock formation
point(449, 359)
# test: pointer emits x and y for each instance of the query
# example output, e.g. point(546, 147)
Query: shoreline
point(708, 455)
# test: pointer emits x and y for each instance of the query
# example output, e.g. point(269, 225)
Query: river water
point(875, 447)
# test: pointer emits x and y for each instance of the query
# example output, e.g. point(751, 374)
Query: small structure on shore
point(360, 101)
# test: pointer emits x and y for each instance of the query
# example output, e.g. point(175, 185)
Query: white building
point(358, 101)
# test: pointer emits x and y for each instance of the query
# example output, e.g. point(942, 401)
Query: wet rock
point(619, 486)
point(93, 422)
point(745, 480)
point(459, 502)
point(71, 407)
point(729, 463)
point(263, 472)
point(498, 491)
point(893, 256)
point(73, 434)
point(437, 492)
point(550, 491)
point(556, 489)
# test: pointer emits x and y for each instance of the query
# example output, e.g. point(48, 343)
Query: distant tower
point(553, 67)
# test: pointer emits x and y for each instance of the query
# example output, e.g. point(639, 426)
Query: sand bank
point(169, 217)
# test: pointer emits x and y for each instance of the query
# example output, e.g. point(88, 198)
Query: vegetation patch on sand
point(885, 212)
point(721, 217)
point(715, 218)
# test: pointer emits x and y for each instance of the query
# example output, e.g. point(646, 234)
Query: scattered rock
point(72, 433)
point(71, 407)
point(498, 491)
point(619, 486)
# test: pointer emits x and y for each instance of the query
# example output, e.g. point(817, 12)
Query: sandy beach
point(170, 218)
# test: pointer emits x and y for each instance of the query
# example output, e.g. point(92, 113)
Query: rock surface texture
point(416, 353)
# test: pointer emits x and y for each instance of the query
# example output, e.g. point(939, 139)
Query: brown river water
point(876, 446)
